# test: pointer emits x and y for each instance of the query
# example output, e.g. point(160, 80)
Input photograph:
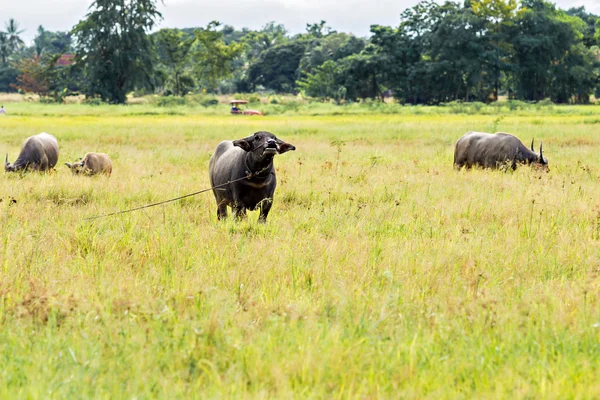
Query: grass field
point(381, 273)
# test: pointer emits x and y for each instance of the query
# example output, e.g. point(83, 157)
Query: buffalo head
point(7, 166)
point(75, 168)
point(538, 159)
point(542, 162)
point(262, 147)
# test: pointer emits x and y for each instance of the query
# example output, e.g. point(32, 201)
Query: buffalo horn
point(532, 144)
point(6, 162)
point(541, 155)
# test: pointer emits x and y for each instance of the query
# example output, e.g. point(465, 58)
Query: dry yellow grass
point(17, 98)
point(382, 272)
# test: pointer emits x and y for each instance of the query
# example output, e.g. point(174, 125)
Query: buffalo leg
point(265, 207)
point(221, 210)
point(44, 164)
point(239, 212)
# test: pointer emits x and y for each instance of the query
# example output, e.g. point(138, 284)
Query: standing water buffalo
point(92, 164)
point(39, 153)
point(239, 158)
point(495, 150)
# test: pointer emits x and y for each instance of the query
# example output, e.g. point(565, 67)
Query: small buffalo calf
point(92, 164)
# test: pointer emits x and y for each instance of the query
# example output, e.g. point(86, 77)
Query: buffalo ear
point(245, 143)
point(284, 147)
point(69, 164)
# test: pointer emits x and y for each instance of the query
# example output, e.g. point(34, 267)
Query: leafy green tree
point(444, 52)
point(40, 42)
point(592, 22)
point(9, 43)
point(43, 76)
point(331, 47)
point(576, 76)
point(322, 82)
point(173, 48)
point(400, 52)
point(51, 42)
point(544, 44)
point(339, 66)
point(498, 16)
point(256, 42)
point(33, 77)
point(5, 48)
point(213, 57)
point(362, 75)
point(403, 54)
point(459, 54)
point(319, 30)
point(277, 67)
point(8, 78)
point(113, 47)
point(232, 35)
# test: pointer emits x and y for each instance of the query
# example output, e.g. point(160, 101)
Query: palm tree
point(40, 40)
point(5, 48)
point(13, 32)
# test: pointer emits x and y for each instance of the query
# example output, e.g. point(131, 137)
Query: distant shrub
point(477, 106)
point(545, 102)
point(92, 101)
point(515, 105)
point(169, 101)
point(253, 98)
point(209, 101)
point(193, 99)
point(201, 99)
point(456, 107)
point(240, 96)
point(418, 110)
point(47, 100)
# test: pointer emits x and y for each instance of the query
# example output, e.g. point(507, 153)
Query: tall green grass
point(382, 271)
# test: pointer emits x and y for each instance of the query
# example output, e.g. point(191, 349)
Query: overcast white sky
point(343, 15)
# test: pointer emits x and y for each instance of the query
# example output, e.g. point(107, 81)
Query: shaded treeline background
point(476, 50)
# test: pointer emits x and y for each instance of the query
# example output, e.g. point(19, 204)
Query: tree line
point(476, 50)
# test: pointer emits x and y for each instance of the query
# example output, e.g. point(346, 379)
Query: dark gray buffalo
point(92, 164)
point(494, 151)
point(239, 158)
point(39, 153)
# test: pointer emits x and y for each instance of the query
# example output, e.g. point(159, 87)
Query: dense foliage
point(113, 48)
point(476, 50)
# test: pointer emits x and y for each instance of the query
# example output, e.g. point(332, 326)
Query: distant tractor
point(236, 109)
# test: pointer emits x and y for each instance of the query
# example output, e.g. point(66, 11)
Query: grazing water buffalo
point(39, 152)
point(92, 164)
point(239, 158)
point(495, 150)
